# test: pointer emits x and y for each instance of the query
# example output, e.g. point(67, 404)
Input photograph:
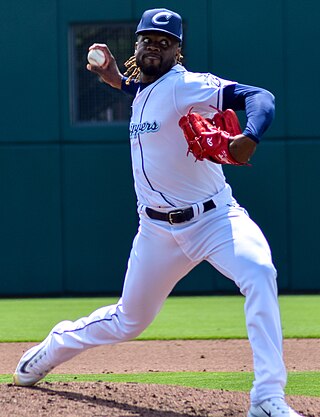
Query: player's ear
point(178, 55)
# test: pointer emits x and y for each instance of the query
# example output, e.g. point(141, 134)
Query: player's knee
point(259, 278)
point(268, 271)
point(130, 331)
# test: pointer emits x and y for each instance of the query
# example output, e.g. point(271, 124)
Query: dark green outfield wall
point(66, 195)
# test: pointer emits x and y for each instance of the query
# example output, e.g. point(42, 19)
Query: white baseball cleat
point(33, 366)
point(274, 407)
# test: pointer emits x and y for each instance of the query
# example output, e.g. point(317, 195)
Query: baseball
point(96, 57)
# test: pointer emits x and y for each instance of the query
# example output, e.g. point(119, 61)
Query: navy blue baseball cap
point(161, 20)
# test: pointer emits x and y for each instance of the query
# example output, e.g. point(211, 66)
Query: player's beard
point(153, 70)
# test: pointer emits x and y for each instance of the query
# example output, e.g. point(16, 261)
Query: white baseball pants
point(161, 255)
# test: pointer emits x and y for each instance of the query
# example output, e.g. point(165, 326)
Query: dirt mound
point(133, 400)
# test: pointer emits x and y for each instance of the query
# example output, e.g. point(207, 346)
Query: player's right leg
point(156, 264)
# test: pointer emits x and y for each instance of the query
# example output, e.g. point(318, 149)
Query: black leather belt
point(178, 216)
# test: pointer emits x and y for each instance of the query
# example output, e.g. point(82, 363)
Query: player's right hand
point(109, 73)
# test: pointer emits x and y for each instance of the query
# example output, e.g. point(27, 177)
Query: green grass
point(30, 320)
point(208, 317)
point(299, 383)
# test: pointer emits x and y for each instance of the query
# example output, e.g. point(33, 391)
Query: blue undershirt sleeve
point(258, 104)
point(130, 89)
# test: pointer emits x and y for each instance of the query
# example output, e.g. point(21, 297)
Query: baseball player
point(186, 209)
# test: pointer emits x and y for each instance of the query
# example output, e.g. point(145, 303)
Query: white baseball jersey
point(163, 253)
point(164, 176)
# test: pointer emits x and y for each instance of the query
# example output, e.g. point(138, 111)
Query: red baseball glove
point(209, 139)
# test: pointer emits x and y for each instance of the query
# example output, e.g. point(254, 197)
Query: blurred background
point(67, 204)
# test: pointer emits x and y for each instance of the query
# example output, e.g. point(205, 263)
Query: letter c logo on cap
point(156, 18)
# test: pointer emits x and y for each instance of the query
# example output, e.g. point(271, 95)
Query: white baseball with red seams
point(96, 57)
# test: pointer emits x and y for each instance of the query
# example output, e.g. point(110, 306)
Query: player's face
point(156, 53)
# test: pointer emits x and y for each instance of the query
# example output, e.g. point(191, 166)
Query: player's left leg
point(240, 251)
